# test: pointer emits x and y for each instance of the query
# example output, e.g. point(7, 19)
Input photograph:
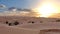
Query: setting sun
point(48, 8)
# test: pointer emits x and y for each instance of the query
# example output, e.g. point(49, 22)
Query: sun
point(46, 9)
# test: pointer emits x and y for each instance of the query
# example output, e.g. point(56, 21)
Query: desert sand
point(29, 25)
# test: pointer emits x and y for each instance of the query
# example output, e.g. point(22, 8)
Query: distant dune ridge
point(26, 19)
point(55, 15)
point(29, 25)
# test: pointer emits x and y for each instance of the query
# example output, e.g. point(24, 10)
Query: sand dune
point(24, 27)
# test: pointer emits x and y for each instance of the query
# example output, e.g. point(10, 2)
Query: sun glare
point(46, 10)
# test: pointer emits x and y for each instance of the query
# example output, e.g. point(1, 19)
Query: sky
point(28, 4)
point(23, 4)
point(20, 3)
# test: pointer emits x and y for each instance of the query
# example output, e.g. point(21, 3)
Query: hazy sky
point(27, 4)
point(20, 3)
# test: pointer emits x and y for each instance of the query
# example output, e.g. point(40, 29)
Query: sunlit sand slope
point(5, 29)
